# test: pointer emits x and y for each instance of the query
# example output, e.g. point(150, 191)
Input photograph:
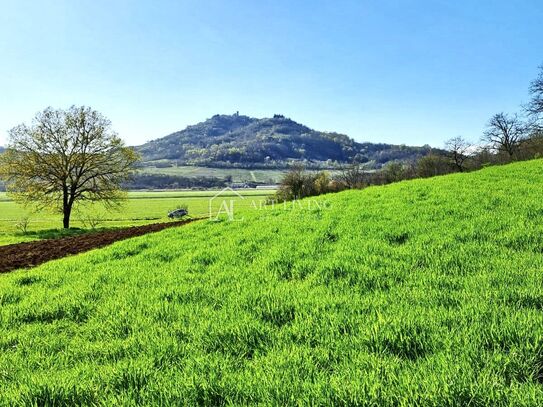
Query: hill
point(242, 141)
point(425, 292)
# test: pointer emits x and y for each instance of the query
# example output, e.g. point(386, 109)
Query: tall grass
point(426, 292)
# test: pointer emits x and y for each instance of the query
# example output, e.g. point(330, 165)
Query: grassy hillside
point(426, 292)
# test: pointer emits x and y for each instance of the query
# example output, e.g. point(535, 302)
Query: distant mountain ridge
point(247, 142)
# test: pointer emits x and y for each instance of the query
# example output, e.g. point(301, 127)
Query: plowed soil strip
point(23, 255)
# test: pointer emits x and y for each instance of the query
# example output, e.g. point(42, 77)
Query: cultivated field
point(141, 208)
point(427, 292)
point(270, 176)
point(262, 176)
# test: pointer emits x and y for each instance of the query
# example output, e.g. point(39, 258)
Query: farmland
point(238, 175)
point(267, 176)
point(425, 292)
point(141, 208)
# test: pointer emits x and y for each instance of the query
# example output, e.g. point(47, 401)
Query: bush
point(433, 165)
point(298, 183)
point(92, 221)
point(22, 224)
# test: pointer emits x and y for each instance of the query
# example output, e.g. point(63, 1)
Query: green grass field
point(141, 208)
point(427, 292)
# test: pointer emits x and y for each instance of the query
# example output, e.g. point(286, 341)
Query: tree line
point(164, 181)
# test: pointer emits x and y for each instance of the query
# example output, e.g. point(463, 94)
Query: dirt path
point(22, 255)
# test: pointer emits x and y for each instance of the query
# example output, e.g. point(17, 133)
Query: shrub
point(22, 224)
point(91, 221)
point(298, 183)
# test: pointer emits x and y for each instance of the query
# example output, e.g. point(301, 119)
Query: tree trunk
point(66, 220)
point(66, 209)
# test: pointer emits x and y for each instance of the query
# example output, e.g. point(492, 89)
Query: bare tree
point(535, 107)
point(536, 90)
point(64, 157)
point(458, 149)
point(505, 132)
point(353, 176)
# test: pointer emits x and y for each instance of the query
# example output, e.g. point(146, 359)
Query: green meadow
point(426, 292)
point(140, 208)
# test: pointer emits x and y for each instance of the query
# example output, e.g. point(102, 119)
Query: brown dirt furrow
point(24, 255)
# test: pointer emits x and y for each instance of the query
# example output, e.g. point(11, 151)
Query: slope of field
point(426, 292)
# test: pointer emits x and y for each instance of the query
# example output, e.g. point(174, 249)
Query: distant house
point(240, 185)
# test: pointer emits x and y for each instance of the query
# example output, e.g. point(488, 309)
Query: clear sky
point(397, 71)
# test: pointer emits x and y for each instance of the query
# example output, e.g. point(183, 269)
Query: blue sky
point(412, 72)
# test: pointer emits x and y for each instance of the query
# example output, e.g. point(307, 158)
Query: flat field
point(271, 176)
point(141, 208)
point(265, 176)
point(425, 292)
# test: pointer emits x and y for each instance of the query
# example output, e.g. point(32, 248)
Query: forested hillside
point(242, 141)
